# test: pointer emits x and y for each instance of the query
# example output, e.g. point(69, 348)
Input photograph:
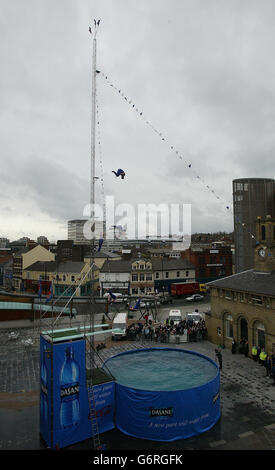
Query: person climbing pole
point(100, 243)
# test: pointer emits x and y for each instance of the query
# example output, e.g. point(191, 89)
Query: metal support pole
point(92, 194)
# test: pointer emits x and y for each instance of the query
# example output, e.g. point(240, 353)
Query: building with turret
point(243, 305)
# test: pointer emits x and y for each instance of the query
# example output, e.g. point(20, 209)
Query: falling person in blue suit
point(119, 172)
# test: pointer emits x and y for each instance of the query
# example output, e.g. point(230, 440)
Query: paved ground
point(247, 402)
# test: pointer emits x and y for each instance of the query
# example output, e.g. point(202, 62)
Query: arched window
point(243, 328)
point(228, 325)
point(259, 334)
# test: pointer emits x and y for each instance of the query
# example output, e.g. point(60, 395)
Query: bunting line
point(179, 155)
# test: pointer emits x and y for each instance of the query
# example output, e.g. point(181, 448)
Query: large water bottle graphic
point(69, 391)
point(44, 390)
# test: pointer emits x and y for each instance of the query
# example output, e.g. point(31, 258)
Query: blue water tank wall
point(168, 415)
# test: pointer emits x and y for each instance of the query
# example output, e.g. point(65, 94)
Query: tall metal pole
point(92, 193)
point(93, 122)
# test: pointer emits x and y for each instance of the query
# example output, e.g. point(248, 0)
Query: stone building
point(243, 305)
point(66, 278)
point(26, 257)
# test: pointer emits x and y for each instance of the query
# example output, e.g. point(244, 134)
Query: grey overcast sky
point(202, 72)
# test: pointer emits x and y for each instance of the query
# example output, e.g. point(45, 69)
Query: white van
point(120, 322)
point(175, 315)
point(119, 296)
point(196, 317)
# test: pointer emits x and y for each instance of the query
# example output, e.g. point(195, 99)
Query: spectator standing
point(263, 356)
point(273, 369)
point(254, 353)
point(241, 347)
point(233, 346)
point(246, 348)
point(268, 366)
point(258, 353)
point(219, 357)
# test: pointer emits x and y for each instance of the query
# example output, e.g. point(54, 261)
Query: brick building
point(243, 305)
point(211, 262)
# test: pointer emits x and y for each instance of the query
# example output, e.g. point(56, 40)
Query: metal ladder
point(94, 424)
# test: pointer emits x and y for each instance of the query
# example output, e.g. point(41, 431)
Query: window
point(201, 272)
point(186, 273)
point(257, 300)
point(141, 277)
point(213, 271)
point(242, 297)
point(228, 295)
point(134, 277)
point(229, 326)
point(141, 266)
point(72, 278)
point(64, 277)
point(167, 274)
point(134, 290)
point(263, 232)
point(157, 275)
point(148, 277)
point(178, 274)
point(238, 186)
point(259, 334)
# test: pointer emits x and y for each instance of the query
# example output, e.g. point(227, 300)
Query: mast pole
point(92, 192)
point(93, 123)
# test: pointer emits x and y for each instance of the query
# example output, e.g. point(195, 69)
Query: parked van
point(175, 315)
point(120, 322)
point(196, 317)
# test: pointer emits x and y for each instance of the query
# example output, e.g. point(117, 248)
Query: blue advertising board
point(45, 390)
point(64, 406)
point(105, 406)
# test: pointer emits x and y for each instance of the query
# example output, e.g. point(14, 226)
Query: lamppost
point(162, 274)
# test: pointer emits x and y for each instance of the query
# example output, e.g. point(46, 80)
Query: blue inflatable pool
point(165, 394)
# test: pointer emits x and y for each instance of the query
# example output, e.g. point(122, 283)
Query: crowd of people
point(162, 333)
point(258, 354)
